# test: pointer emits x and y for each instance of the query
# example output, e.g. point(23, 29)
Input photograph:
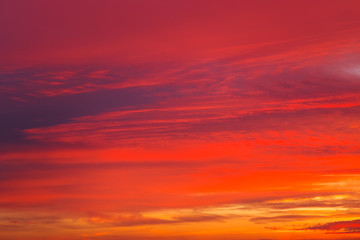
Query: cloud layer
point(179, 120)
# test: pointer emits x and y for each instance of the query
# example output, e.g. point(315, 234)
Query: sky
point(179, 120)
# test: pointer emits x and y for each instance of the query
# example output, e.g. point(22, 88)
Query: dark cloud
point(48, 96)
point(39, 111)
point(352, 226)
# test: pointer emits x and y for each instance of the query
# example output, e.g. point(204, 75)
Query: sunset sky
point(179, 119)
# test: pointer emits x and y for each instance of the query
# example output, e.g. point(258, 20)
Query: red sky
point(183, 120)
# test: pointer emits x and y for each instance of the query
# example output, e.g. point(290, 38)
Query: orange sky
point(179, 120)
